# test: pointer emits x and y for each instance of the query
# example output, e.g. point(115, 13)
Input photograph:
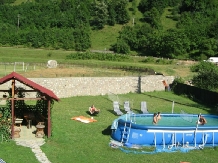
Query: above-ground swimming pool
point(172, 129)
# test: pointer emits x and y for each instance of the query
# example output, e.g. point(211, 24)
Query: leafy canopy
point(207, 75)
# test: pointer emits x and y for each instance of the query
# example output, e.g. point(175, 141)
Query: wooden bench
point(18, 121)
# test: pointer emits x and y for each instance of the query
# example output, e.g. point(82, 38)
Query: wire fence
point(41, 70)
point(19, 67)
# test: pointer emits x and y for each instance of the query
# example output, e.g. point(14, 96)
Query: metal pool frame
point(126, 132)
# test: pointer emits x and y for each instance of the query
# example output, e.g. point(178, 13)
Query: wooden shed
point(45, 94)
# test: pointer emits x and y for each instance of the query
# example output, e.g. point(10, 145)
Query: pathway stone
point(27, 139)
point(35, 146)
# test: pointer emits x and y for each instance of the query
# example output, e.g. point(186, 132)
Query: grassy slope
point(103, 39)
point(167, 22)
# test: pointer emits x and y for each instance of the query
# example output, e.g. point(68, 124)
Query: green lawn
point(74, 141)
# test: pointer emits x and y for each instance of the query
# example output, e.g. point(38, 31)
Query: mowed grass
point(73, 141)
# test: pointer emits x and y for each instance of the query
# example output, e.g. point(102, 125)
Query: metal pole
point(172, 107)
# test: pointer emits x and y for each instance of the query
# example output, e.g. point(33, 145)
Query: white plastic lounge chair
point(144, 108)
point(117, 108)
point(127, 107)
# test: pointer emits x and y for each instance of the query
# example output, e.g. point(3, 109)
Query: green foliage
point(207, 77)
point(121, 47)
point(173, 32)
point(178, 80)
point(82, 39)
point(164, 61)
point(129, 36)
point(49, 54)
point(5, 122)
point(149, 60)
point(20, 107)
point(175, 43)
point(134, 7)
point(202, 66)
point(209, 47)
point(99, 17)
point(153, 18)
point(122, 16)
point(146, 5)
point(111, 14)
point(157, 60)
point(175, 82)
point(6, 1)
point(97, 56)
point(58, 24)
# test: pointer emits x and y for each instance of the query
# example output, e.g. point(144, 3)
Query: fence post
point(139, 84)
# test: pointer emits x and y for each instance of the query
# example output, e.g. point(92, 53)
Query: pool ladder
point(126, 132)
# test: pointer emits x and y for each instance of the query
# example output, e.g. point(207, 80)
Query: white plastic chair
point(127, 107)
point(117, 108)
point(144, 108)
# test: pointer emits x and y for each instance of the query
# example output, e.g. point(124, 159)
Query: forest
point(67, 24)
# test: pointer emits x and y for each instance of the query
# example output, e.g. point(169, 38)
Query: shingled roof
point(31, 84)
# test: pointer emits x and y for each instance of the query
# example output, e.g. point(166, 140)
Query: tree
point(198, 5)
point(134, 7)
point(207, 75)
point(153, 17)
point(111, 14)
point(82, 39)
point(82, 29)
point(122, 15)
point(99, 14)
point(146, 5)
point(209, 47)
point(143, 33)
point(128, 35)
point(175, 43)
point(121, 47)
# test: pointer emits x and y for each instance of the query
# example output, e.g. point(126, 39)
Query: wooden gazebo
point(46, 94)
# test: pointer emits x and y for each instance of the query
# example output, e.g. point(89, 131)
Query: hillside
point(136, 27)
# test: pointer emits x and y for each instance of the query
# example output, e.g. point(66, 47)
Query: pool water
point(175, 121)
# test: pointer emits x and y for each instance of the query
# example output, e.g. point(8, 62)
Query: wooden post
point(12, 109)
point(49, 118)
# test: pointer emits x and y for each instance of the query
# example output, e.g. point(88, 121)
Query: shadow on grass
point(198, 105)
point(112, 112)
point(107, 131)
point(95, 114)
point(191, 105)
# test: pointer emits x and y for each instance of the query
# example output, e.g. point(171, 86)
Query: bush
point(121, 47)
point(97, 56)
